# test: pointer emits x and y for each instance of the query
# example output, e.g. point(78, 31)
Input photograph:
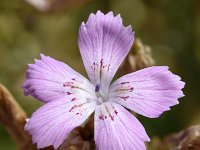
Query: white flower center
point(101, 97)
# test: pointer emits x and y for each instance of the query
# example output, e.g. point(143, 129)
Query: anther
point(97, 88)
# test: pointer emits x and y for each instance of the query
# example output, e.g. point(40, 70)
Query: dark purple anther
point(97, 88)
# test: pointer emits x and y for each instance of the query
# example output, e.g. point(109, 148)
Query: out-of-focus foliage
point(171, 28)
point(187, 139)
point(54, 5)
point(13, 117)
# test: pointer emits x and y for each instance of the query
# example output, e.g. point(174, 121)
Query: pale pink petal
point(117, 129)
point(48, 79)
point(149, 92)
point(52, 123)
point(104, 43)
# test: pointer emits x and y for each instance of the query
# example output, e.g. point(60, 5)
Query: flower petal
point(116, 128)
point(52, 123)
point(104, 43)
point(149, 92)
point(48, 79)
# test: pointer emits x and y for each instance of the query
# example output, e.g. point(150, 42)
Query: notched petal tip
point(182, 84)
point(83, 24)
point(146, 138)
point(99, 12)
point(100, 16)
point(42, 55)
point(110, 13)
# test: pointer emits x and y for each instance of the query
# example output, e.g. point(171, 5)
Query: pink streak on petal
point(104, 43)
point(121, 131)
point(52, 123)
point(45, 80)
point(149, 92)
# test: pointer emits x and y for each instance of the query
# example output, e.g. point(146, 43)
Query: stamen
point(97, 88)
point(101, 97)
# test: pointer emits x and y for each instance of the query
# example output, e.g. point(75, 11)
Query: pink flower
point(70, 98)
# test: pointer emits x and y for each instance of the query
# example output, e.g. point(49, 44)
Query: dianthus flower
point(70, 98)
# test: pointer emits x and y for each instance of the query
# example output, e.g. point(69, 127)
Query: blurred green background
point(171, 28)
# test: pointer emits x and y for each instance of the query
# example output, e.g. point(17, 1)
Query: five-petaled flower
point(70, 98)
